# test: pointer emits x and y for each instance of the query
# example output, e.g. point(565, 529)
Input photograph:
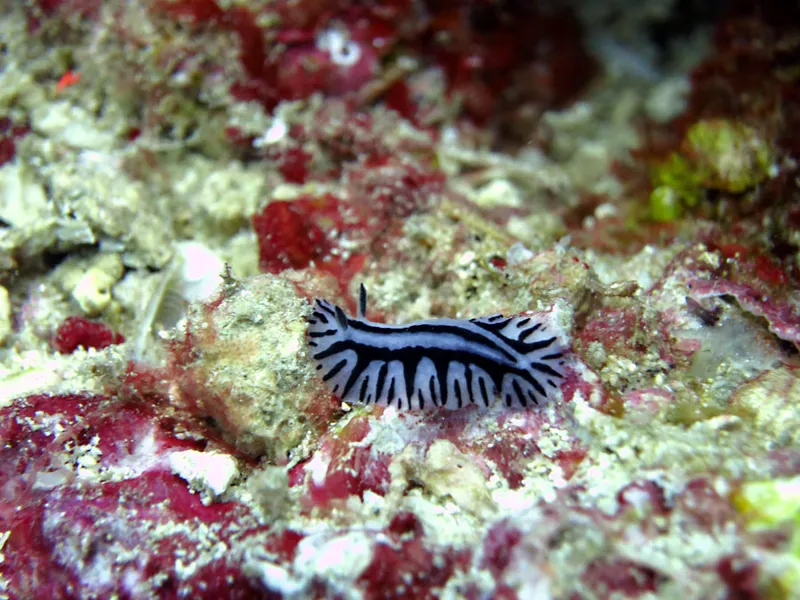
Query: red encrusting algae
point(78, 332)
point(9, 133)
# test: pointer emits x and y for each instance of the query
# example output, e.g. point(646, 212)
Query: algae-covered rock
point(716, 154)
point(213, 200)
point(94, 193)
point(729, 155)
point(244, 364)
point(771, 400)
point(59, 200)
point(447, 472)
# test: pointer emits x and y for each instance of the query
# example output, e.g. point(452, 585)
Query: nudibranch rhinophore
point(445, 363)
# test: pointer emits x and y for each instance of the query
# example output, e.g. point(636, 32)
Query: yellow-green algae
point(771, 504)
point(768, 504)
point(716, 154)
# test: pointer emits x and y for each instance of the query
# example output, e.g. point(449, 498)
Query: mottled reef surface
point(180, 178)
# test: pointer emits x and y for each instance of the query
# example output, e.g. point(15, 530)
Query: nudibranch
point(444, 363)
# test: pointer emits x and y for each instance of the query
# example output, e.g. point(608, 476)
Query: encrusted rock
point(244, 364)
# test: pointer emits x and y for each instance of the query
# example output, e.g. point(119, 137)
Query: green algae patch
point(665, 204)
point(730, 156)
point(771, 504)
point(716, 154)
point(767, 504)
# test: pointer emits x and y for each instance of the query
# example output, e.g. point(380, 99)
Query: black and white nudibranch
point(445, 363)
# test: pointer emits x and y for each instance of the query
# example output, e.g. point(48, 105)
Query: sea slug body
point(441, 363)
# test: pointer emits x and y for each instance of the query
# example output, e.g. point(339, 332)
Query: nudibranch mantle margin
point(439, 363)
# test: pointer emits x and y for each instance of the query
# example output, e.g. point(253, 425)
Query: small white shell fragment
point(276, 132)
point(206, 472)
point(276, 577)
point(499, 192)
point(341, 559)
point(202, 270)
point(605, 211)
point(518, 253)
point(92, 292)
point(342, 50)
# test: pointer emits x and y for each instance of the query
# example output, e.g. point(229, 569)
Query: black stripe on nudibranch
point(437, 363)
